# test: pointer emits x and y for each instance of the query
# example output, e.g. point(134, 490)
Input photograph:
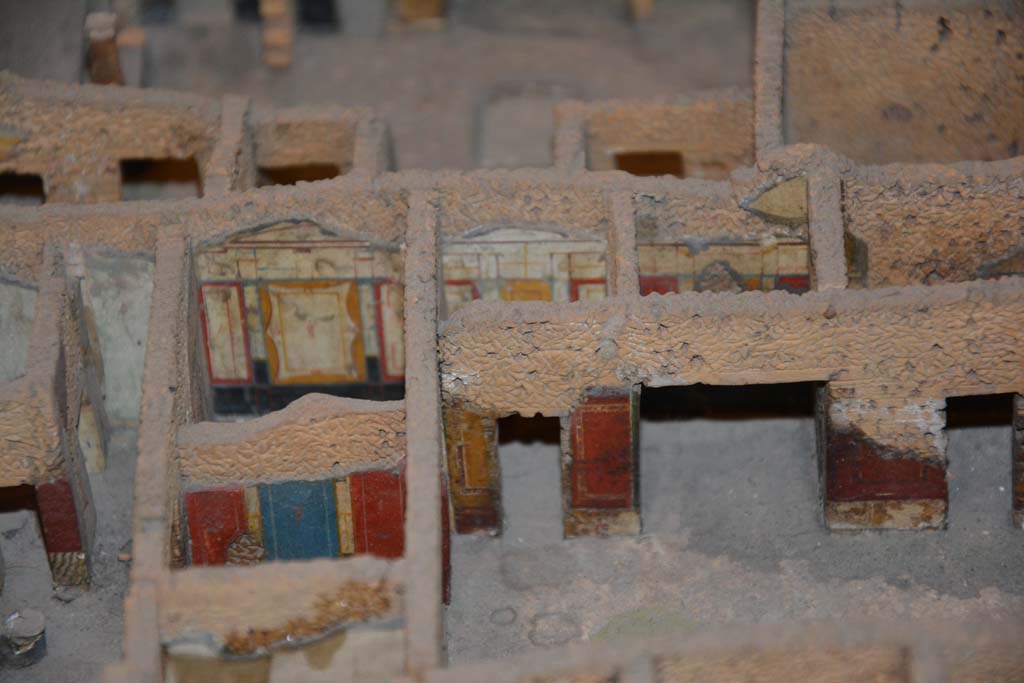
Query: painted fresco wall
point(298, 520)
point(517, 264)
point(292, 308)
point(667, 267)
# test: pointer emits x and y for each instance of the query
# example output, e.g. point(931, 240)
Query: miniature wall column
point(884, 460)
point(1018, 461)
point(600, 472)
point(471, 447)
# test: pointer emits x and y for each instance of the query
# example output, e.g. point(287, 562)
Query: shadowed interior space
point(651, 163)
point(299, 173)
point(21, 188)
point(160, 179)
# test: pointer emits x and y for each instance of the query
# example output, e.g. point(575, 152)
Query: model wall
point(74, 137)
point(933, 224)
point(953, 90)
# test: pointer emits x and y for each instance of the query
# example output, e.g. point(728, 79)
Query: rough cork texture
point(30, 451)
point(877, 664)
point(710, 210)
point(231, 167)
point(156, 480)
point(74, 136)
point(423, 542)
point(33, 408)
point(306, 135)
point(538, 357)
point(249, 608)
point(951, 92)
point(315, 436)
point(346, 206)
point(714, 131)
point(907, 426)
point(935, 224)
point(516, 198)
point(769, 50)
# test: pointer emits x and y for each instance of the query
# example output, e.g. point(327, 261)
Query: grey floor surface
point(83, 629)
point(732, 534)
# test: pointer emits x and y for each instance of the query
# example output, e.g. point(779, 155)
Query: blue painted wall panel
point(299, 520)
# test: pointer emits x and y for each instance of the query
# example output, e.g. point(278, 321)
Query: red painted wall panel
point(795, 283)
point(58, 517)
point(215, 519)
point(658, 285)
point(603, 459)
point(856, 472)
point(378, 512)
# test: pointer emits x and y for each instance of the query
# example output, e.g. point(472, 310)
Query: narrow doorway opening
point(531, 485)
point(979, 434)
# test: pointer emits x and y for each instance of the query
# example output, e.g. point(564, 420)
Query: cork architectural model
point(327, 362)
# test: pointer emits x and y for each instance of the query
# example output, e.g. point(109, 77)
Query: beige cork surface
point(315, 436)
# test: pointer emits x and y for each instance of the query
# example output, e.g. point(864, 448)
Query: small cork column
point(474, 477)
point(1018, 461)
point(600, 470)
point(884, 460)
point(102, 59)
point(278, 32)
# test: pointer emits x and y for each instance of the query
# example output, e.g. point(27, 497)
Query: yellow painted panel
point(526, 290)
point(252, 513)
point(346, 530)
point(313, 332)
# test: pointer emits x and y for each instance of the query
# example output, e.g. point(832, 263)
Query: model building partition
point(41, 462)
point(291, 308)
